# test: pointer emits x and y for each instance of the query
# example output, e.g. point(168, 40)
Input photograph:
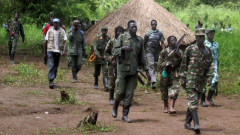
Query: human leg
point(97, 69)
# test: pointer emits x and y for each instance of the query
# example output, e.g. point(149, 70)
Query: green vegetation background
point(34, 13)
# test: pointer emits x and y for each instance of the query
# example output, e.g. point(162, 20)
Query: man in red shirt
point(45, 30)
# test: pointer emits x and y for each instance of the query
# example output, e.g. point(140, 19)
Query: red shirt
point(46, 28)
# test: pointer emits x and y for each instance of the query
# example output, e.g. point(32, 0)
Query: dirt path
point(22, 109)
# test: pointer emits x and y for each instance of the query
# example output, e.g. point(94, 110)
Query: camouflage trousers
point(12, 44)
point(75, 62)
point(212, 87)
point(97, 70)
point(126, 84)
point(193, 97)
point(112, 78)
point(169, 87)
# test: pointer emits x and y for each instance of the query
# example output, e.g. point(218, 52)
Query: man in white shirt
point(54, 48)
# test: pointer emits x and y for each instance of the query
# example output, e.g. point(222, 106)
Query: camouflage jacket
point(174, 58)
point(76, 43)
point(15, 27)
point(87, 26)
point(130, 62)
point(196, 67)
point(108, 51)
point(99, 46)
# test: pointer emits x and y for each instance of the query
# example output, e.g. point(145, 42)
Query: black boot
point(12, 58)
point(209, 98)
point(105, 83)
point(96, 82)
point(111, 93)
point(74, 74)
point(203, 102)
point(51, 84)
point(196, 121)
point(188, 120)
point(115, 109)
point(125, 114)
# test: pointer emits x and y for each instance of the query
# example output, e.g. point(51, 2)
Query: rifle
point(11, 32)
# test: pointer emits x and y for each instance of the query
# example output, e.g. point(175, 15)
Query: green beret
point(209, 30)
point(104, 28)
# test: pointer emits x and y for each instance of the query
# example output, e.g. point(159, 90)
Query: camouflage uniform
point(76, 49)
point(195, 68)
point(170, 85)
point(16, 28)
point(87, 26)
point(153, 48)
point(109, 58)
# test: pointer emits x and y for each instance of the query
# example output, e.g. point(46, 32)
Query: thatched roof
point(142, 11)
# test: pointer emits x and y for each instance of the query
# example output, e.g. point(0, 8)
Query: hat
point(209, 30)
point(104, 28)
point(199, 33)
point(76, 22)
point(56, 20)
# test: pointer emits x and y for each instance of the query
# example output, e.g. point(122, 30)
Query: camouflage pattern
point(109, 58)
point(195, 69)
point(170, 85)
point(193, 97)
point(87, 26)
point(75, 49)
point(215, 54)
point(127, 66)
point(17, 28)
point(99, 46)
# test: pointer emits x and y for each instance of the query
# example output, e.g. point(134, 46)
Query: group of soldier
point(122, 57)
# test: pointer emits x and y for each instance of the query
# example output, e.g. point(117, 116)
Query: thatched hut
point(142, 11)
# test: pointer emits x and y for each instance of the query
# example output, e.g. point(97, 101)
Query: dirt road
point(23, 109)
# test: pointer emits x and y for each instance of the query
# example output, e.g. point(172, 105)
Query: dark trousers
point(53, 62)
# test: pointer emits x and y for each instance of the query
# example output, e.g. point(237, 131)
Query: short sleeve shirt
point(56, 33)
point(153, 39)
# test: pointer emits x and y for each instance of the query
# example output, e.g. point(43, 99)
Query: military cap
point(199, 33)
point(104, 28)
point(209, 30)
point(76, 22)
point(56, 20)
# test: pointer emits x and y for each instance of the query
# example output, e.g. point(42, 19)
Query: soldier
point(82, 26)
point(169, 62)
point(99, 46)
point(14, 26)
point(112, 62)
point(54, 48)
point(152, 41)
point(215, 54)
point(131, 56)
point(197, 66)
point(87, 24)
point(76, 49)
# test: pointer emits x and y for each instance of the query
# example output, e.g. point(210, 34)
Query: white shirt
point(56, 33)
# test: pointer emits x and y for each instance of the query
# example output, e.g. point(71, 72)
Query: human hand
point(63, 53)
point(99, 56)
point(114, 63)
point(127, 48)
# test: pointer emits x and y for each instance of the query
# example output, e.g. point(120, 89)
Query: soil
point(22, 113)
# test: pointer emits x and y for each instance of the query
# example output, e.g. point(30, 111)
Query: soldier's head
point(104, 30)
point(16, 15)
point(118, 31)
point(229, 25)
point(74, 18)
point(200, 37)
point(92, 22)
point(51, 21)
point(154, 24)
point(87, 20)
point(172, 40)
point(76, 25)
point(132, 27)
point(187, 25)
point(210, 34)
point(60, 23)
point(56, 23)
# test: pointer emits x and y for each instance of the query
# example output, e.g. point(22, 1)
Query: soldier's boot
point(96, 82)
point(125, 114)
point(74, 74)
point(12, 59)
point(105, 84)
point(115, 109)
point(51, 84)
point(111, 94)
point(203, 102)
point(153, 85)
point(209, 98)
point(171, 106)
point(196, 121)
point(188, 120)
point(165, 106)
